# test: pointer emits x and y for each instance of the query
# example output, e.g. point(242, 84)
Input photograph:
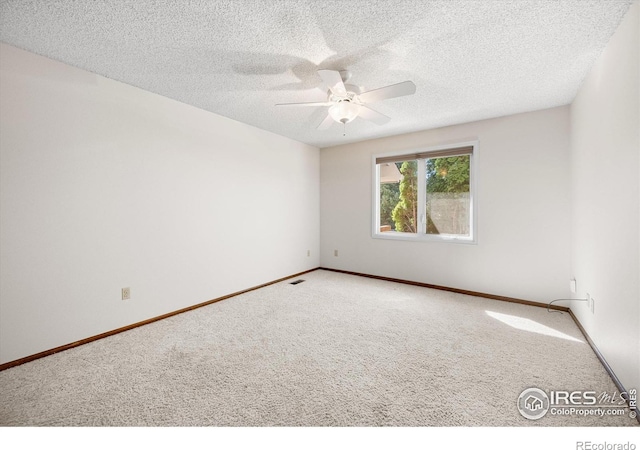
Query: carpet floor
point(336, 350)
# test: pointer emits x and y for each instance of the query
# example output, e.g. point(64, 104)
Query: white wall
point(605, 120)
point(523, 194)
point(104, 185)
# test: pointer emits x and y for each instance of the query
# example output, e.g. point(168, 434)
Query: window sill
point(396, 236)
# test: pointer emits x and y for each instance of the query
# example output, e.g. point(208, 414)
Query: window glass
point(448, 197)
point(399, 197)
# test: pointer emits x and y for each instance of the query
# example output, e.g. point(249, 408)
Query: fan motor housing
point(352, 92)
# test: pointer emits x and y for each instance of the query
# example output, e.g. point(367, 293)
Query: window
point(426, 194)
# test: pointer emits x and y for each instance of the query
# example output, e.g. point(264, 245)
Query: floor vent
point(297, 282)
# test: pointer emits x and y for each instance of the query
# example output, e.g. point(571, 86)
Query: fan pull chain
point(344, 128)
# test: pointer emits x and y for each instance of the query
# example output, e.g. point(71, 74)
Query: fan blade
point(373, 115)
point(333, 81)
point(305, 104)
point(383, 93)
point(326, 123)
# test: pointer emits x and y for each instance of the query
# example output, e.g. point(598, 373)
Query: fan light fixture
point(347, 101)
point(344, 111)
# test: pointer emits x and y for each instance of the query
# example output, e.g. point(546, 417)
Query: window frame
point(421, 235)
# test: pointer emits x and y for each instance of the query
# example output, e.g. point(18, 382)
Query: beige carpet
point(336, 350)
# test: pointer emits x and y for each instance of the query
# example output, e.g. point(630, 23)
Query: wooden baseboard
point(450, 289)
point(606, 365)
point(27, 359)
point(600, 357)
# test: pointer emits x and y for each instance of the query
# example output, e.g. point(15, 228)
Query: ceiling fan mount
point(347, 101)
point(349, 96)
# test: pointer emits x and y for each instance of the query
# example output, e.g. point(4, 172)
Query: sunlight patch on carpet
point(523, 324)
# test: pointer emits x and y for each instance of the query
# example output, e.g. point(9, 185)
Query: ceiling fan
point(346, 101)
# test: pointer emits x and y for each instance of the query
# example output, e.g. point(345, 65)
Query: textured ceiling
point(470, 60)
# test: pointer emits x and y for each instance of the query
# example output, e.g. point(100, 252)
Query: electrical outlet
point(126, 293)
point(591, 303)
point(572, 285)
point(335, 253)
point(308, 252)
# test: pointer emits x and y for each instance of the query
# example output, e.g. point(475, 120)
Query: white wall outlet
point(573, 285)
point(591, 303)
point(308, 252)
point(335, 253)
point(126, 293)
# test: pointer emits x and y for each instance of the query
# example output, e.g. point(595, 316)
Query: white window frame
point(421, 235)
